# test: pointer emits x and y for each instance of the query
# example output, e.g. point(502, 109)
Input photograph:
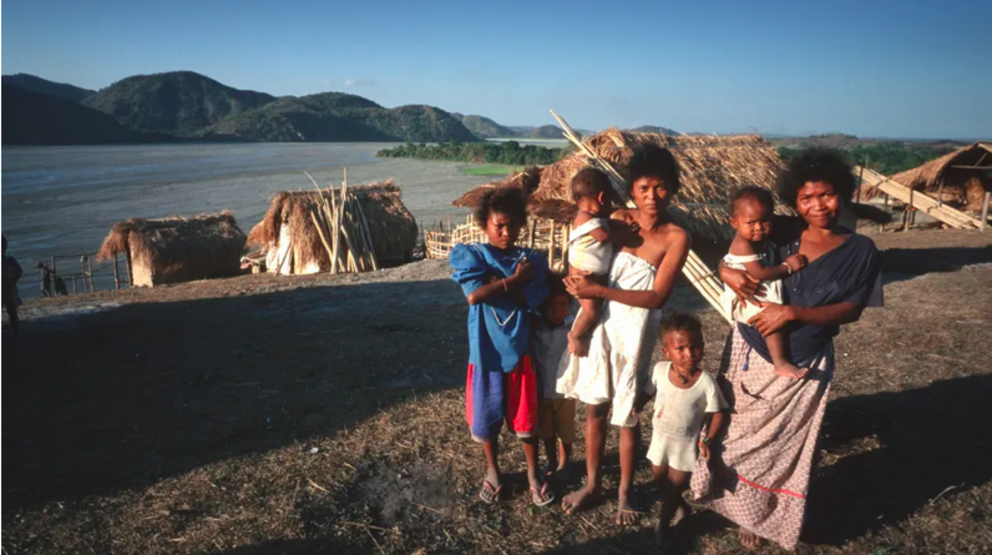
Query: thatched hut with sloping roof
point(710, 167)
point(959, 178)
point(292, 243)
point(176, 249)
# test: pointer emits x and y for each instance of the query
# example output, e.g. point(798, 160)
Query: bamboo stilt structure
point(985, 210)
point(919, 201)
point(695, 269)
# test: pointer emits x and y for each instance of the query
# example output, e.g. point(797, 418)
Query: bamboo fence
point(698, 274)
point(343, 229)
point(917, 200)
point(541, 235)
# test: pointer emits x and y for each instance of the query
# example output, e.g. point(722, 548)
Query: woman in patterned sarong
point(759, 478)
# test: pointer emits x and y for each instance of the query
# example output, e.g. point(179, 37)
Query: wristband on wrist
point(704, 441)
point(787, 267)
point(505, 287)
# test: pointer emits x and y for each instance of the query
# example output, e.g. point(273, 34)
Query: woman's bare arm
point(774, 317)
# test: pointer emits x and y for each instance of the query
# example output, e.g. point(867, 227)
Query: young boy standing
point(686, 398)
point(504, 284)
point(555, 413)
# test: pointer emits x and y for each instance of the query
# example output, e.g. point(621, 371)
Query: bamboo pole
point(74, 290)
point(117, 275)
point(89, 262)
point(320, 232)
point(985, 210)
point(368, 236)
point(551, 248)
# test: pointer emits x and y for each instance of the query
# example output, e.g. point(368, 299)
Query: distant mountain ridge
point(38, 85)
point(179, 103)
point(30, 118)
point(184, 105)
point(485, 128)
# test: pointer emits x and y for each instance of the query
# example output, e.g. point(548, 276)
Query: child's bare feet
point(749, 540)
point(626, 513)
point(789, 370)
point(579, 500)
point(578, 346)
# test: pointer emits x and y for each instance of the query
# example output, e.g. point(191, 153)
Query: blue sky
point(907, 69)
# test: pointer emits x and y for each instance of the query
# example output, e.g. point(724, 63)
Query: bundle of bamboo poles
point(343, 229)
point(699, 275)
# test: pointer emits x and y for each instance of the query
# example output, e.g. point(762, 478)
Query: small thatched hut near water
point(959, 178)
point(711, 168)
point(176, 249)
point(293, 245)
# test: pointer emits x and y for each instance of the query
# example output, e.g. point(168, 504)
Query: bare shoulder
point(741, 247)
point(671, 235)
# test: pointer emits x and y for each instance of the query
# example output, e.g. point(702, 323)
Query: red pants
point(492, 397)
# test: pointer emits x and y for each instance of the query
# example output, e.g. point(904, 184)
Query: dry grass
point(210, 448)
point(178, 248)
point(393, 228)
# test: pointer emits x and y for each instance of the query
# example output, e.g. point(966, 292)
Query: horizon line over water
point(63, 200)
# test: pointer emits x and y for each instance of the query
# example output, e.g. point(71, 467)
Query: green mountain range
point(179, 103)
point(31, 118)
point(187, 106)
point(184, 105)
point(38, 85)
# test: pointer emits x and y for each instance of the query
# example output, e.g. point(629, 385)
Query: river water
point(64, 200)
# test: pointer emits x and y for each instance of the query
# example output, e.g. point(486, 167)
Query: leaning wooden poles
point(699, 275)
point(343, 230)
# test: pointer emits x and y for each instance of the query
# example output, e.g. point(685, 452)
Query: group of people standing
point(743, 439)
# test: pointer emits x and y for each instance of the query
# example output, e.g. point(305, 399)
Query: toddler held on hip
point(751, 212)
point(590, 246)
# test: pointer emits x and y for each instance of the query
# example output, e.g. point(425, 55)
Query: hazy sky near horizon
point(883, 69)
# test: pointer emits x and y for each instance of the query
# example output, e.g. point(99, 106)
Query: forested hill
point(37, 119)
point(341, 117)
point(179, 103)
point(38, 85)
point(189, 106)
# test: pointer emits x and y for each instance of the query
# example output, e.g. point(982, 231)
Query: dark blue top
point(847, 274)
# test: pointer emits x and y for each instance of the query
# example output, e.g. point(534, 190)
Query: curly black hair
point(816, 164)
point(654, 161)
point(760, 194)
point(681, 321)
point(502, 200)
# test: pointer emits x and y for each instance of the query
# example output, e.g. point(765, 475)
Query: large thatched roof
point(392, 226)
point(711, 168)
point(960, 177)
point(178, 248)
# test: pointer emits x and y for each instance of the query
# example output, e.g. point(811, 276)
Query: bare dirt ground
point(325, 414)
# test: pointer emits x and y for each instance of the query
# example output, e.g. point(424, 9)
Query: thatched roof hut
point(176, 249)
point(959, 178)
point(293, 244)
point(711, 168)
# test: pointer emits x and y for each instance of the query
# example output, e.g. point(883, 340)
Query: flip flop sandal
point(489, 494)
point(542, 497)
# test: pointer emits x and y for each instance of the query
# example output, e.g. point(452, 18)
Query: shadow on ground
point(901, 264)
point(120, 399)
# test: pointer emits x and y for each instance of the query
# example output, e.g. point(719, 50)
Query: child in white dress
point(590, 246)
point(685, 398)
point(751, 212)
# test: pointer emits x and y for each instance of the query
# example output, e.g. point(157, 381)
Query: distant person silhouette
point(12, 272)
